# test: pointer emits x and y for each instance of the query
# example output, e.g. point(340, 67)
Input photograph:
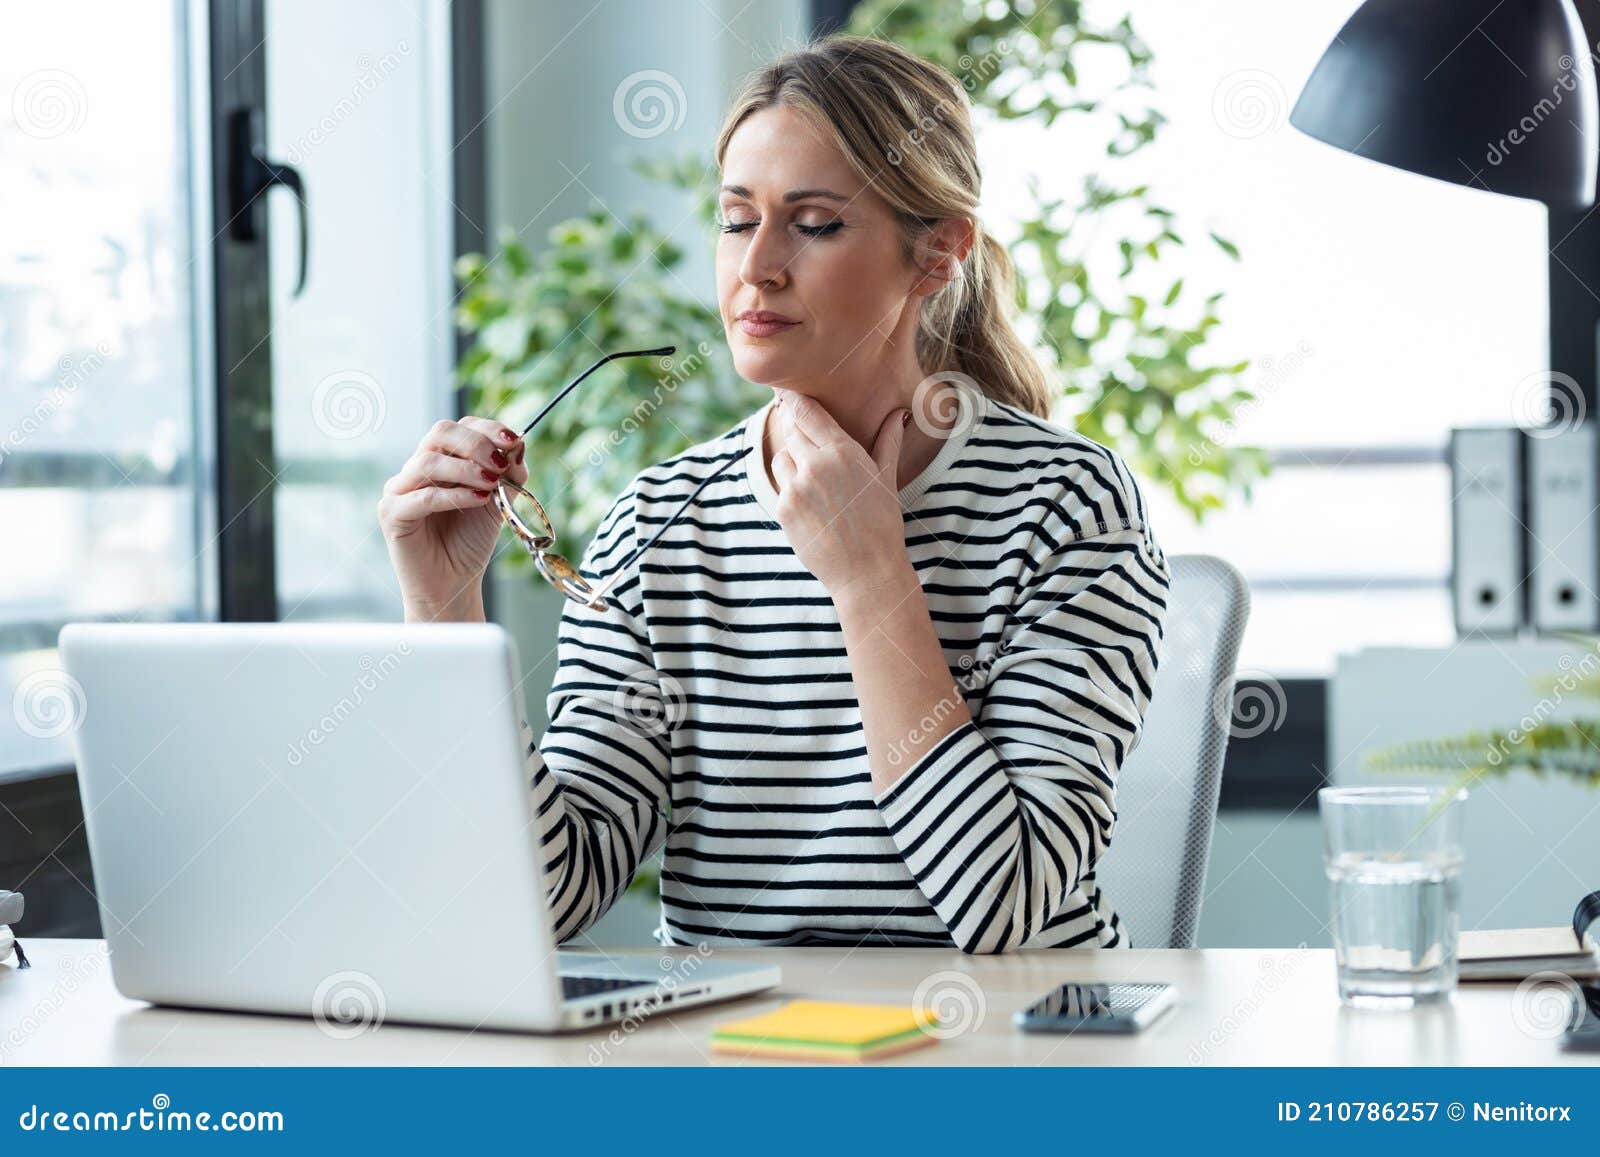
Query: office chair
point(1154, 872)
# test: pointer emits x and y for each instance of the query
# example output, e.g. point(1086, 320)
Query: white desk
point(1236, 1007)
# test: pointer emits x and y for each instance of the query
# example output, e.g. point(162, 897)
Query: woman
point(875, 685)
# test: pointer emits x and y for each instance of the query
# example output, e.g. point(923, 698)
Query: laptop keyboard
point(576, 986)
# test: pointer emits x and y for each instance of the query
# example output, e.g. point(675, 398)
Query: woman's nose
point(766, 259)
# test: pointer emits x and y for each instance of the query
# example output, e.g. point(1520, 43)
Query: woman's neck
point(860, 411)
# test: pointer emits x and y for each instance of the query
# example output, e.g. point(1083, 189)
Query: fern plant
point(1568, 749)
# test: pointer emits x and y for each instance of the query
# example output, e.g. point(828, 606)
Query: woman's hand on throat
point(838, 505)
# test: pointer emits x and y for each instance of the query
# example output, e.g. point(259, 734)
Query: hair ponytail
point(979, 340)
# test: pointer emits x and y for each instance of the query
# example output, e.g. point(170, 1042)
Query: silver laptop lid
point(316, 818)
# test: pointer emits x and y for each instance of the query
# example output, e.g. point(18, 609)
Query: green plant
point(1567, 748)
point(1130, 365)
point(647, 880)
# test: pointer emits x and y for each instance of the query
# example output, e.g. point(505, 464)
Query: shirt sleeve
point(600, 775)
point(1001, 820)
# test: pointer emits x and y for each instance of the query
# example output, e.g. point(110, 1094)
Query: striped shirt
point(710, 710)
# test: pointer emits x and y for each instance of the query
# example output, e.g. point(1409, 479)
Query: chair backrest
point(1154, 872)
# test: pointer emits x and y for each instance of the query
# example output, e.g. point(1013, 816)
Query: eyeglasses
point(526, 517)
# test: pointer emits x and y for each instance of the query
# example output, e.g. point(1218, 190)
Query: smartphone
point(1097, 1008)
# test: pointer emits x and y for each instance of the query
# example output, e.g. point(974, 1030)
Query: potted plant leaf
point(1565, 748)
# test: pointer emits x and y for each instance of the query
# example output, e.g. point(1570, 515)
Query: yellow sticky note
point(826, 1030)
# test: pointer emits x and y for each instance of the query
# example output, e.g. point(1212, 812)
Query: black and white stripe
point(712, 709)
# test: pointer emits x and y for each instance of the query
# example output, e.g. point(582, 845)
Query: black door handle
point(250, 174)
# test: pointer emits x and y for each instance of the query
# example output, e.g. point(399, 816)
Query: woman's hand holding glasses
point(439, 517)
point(443, 512)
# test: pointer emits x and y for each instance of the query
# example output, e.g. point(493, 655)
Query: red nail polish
point(507, 436)
point(499, 458)
point(487, 477)
point(481, 493)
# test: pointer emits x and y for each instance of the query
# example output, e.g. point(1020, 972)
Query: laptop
point(335, 820)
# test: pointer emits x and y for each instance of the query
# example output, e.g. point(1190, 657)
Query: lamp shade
point(1496, 94)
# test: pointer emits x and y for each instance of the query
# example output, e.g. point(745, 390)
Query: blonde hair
point(905, 126)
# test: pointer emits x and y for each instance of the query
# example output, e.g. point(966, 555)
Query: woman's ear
point(941, 253)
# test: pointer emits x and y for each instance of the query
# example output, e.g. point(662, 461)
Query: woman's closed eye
point(823, 230)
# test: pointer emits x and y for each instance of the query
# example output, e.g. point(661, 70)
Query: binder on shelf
point(1487, 515)
point(1563, 547)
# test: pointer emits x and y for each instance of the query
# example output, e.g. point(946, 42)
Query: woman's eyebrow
point(791, 195)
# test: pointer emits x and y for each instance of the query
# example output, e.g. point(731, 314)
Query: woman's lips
point(764, 324)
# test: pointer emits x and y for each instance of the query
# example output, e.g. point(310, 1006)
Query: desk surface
point(1236, 1007)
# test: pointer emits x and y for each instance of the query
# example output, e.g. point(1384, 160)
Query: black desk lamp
point(1496, 94)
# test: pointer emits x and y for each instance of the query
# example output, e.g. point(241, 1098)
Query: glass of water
point(1393, 858)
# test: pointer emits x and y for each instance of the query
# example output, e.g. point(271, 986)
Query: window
point(109, 488)
point(100, 404)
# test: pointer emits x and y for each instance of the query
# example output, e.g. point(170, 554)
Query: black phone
point(1097, 1008)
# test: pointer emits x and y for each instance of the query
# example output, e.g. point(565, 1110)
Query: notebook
point(827, 1031)
point(1514, 953)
